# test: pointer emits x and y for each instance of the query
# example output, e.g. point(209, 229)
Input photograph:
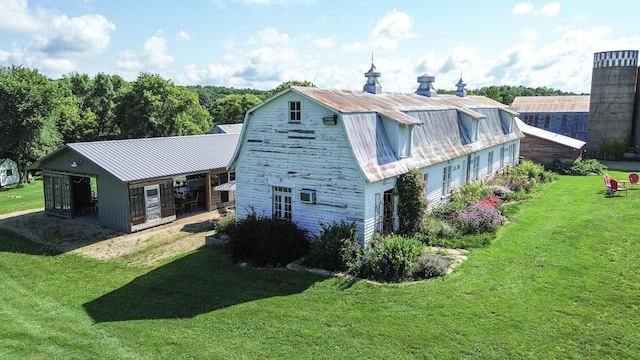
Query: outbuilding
point(9, 174)
point(130, 185)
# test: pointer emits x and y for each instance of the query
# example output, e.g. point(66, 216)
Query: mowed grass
point(561, 280)
point(28, 196)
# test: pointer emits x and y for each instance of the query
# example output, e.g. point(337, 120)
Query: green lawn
point(29, 196)
point(560, 281)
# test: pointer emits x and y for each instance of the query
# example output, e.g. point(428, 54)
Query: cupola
point(461, 90)
point(426, 86)
point(372, 86)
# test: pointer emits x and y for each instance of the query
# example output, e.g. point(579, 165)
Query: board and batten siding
point(306, 155)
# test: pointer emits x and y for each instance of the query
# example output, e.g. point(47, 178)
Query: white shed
point(317, 156)
point(9, 174)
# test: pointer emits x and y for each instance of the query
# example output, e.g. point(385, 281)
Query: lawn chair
point(633, 179)
point(607, 183)
point(615, 187)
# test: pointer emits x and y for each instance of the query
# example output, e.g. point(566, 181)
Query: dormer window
point(295, 111)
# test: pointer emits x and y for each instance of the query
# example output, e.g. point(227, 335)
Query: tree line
point(38, 115)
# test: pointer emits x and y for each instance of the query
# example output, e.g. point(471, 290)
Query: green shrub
point(336, 248)
point(389, 258)
point(429, 266)
point(225, 224)
point(411, 202)
point(433, 227)
point(587, 167)
point(264, 241)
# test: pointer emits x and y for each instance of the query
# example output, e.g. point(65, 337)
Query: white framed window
point(475, 168)
point(425, 177)
point(282, 202)
point(295, 111)
point(502, 158)
point(490, 163)
point(446, 180)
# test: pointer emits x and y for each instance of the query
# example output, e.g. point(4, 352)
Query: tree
point(232, 108)
point(286, 85)
point(156, 107)
point(28, 113)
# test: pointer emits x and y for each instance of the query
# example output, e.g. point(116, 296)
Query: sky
point(259, 44)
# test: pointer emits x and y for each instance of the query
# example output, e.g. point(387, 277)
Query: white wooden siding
point(306, 155)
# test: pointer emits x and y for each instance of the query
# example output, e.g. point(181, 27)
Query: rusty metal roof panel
point(551, 104)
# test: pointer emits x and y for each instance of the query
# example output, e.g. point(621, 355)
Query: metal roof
point(149, 158)
point(551, 104)
point(227, 129)
point(436, 136)
point(529, 130)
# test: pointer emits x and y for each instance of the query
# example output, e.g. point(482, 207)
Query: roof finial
point(372, 86)
point(461, 90)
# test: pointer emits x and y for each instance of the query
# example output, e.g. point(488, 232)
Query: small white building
point(317, 156)
point(9, 174)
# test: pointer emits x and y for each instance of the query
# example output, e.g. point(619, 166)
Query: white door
point(152, 202)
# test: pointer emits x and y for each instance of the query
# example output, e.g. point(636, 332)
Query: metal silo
point(611, 109)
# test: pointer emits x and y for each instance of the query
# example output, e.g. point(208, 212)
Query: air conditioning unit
point(308, 196)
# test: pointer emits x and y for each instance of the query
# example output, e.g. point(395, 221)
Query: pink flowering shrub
point(478, 218)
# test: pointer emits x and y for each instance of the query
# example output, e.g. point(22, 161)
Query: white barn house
point(9, 174)
point(317, 156)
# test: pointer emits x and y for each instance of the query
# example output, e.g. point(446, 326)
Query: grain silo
point(613, 94)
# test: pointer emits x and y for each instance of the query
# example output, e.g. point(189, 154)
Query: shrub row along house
point(317, 156)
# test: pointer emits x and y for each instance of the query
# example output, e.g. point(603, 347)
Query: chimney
point(461, 91)
point(372, 86)
point(426, 85)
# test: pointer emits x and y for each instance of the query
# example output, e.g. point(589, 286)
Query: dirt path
point(89, 239)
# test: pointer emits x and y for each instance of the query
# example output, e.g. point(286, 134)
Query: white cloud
point(16, 17)
point(229, 43)
point(551, 9)
point(156, 52)
point(323, 43)
point(154, 56)
point(356, 47)
point(183, 36)
point(270, 37)
point(393, 27)
point(529, 33)
point(522, 8)
point(83, 36)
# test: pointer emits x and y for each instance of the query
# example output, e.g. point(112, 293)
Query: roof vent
point(372, 86)
point(426, 86)
point(461, 90)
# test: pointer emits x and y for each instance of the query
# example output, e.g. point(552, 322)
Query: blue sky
point(262, 43)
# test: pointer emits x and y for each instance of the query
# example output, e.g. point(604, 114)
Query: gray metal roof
point(227, 129)
point(149, 158)
point(529, 130)
point(551, 104)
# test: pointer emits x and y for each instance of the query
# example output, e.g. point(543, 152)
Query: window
point(446, 181)
point(9, 172)
point(282, 202)
point(501, 158)
point(295, 113)
point(490, 163)
point(57, 192)
point(167, 200)
point(136, 202)
point(425, 177)
point(475, 168)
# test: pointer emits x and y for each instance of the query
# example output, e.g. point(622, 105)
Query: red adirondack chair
point(615, 187)
point(633, 179)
